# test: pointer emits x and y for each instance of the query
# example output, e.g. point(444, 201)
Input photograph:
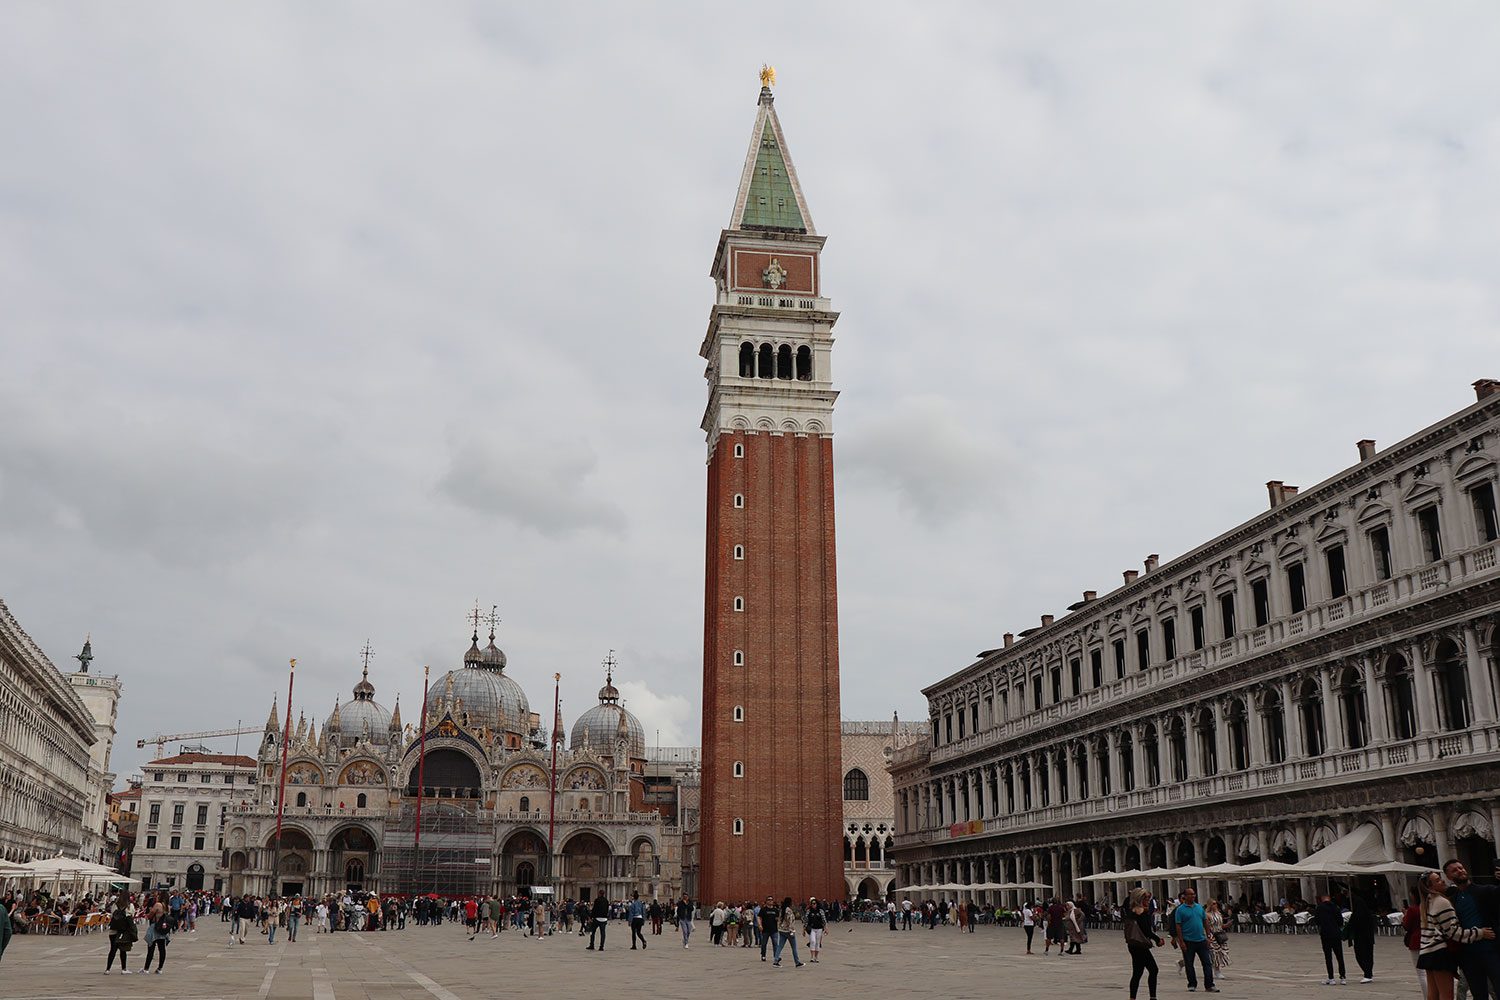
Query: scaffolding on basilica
point(454, 859)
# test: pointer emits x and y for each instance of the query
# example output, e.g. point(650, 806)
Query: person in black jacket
point(1140, 938)
point(600, 922)
point(684, 915)
point(1362, 929)
point(122, 935)
point(1329, 917)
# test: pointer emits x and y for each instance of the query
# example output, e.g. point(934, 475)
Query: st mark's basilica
point(350, 813)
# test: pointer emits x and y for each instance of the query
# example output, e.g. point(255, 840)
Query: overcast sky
point(319, 321)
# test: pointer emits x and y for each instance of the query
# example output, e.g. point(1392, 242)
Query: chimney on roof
point(1366, 449)
point(1009, 638)
point(1152, 561)
point(1046, 620)
point(1279, 492)
point(1486, 387)
point(1130, 575)
point(1090, 595)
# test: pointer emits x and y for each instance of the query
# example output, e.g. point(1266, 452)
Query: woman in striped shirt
point(1442, 937)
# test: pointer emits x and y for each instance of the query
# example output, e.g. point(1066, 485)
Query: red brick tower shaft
point(772, 806)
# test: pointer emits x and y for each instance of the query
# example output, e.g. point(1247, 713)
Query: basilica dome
point(348, 722)
point(490, 697)
point(599, 727)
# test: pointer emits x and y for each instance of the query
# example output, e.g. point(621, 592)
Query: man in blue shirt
point(1472, 903)
point(1189, 935)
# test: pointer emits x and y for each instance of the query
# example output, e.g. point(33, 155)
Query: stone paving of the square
point(422, 963)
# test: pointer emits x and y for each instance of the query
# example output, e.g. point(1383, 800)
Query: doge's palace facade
point(1326, 667)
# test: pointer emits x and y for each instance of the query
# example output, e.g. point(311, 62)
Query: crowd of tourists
point(1449, 924)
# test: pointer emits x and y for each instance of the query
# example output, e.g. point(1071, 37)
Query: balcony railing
point(1347, 765)
point(1461, 566)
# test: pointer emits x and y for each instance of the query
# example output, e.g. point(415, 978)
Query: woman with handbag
point(1442, 937)
point(122, 934)
point(1140, 938)
point(1218, 938)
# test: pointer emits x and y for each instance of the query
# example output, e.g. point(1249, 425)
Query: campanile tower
point(772, 807)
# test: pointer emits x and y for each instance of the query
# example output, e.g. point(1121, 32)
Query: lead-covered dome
point(362, 717)
point(599, 727)
point(489, 696)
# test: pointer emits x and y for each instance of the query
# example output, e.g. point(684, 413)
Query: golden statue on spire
point(767, 76)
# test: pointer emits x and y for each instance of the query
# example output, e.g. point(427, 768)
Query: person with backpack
point(122, 935)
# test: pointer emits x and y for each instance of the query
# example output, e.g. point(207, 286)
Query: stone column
point(1091, 765)
point(1096, 859)
point(1291, 721)
point(1200, 846)
point(1443, 840)
point(1255, 723)
point(1333, 736)
point(1055, 857)
point(1073, 856)
point(1138, 756)
point(1112, 762)
point(1421, 683)
point(1481, 685)
point(1374, 701)
point(1221, 738)
point(1190, 744)
point(1299, 830)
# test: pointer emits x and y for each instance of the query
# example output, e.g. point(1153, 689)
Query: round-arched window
point(856, 786)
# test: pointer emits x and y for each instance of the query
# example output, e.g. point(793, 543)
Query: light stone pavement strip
point(441, 963)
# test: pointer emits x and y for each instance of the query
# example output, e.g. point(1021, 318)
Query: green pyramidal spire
point(771, 200)
point(769, 194)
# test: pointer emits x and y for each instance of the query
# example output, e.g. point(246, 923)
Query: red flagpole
point(552, 791)
point(281, 784)
point(421, 774)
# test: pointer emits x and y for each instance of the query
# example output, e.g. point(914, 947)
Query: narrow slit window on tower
point(747, 360)
point(784, 361)
point(739, 827)
point(739, 451)
point(739, 552)
point(804, 364)
point(739, 501)
point(739, 713)
point(739, 769)
point(739, 604)
point(739, 657)
point(767, 361)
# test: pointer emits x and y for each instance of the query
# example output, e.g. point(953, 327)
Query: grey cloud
point(548, 486)
point(939, 465)
point(257, 263)
point(124, 484)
